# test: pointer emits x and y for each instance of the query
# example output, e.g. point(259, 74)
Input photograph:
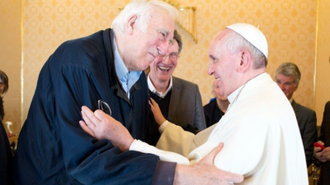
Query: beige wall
point(290, 27)
point(10, 58)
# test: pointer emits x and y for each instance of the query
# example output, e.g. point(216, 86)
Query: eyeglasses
point(102, 105)
point(172, 56)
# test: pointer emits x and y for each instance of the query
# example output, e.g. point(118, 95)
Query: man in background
point(323, 155)
point(179, 100)
point(287, 77)
point(217, 107)
point(4, 85)
point(6, 158)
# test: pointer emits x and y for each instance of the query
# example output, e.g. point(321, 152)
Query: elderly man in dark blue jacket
point(103, 70)
point(100, 69)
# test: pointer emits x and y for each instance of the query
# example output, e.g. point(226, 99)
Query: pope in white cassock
point(259, 130)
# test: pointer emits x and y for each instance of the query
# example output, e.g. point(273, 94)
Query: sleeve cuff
point(162, 127)
point(164, 173)
point(143, 147)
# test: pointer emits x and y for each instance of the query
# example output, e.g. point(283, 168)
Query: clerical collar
point(234, 95)
point(126, 78)
point(153, 89)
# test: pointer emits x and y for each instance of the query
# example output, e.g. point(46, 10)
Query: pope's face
point(223, 64)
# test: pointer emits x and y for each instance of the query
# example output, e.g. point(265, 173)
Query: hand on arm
point(205, 172)
point(156, 112)
point(102, 126)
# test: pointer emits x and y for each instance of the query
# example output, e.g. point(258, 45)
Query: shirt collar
point(234, 94)
point(153, 89)
point(231, 98)
point(124, 76)
point(120, 67)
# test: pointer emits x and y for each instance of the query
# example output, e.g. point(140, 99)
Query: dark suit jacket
point(212, 113)
point(325, 137)
point(2, 110)
point(186, 104)
point(307, 125)
point(5, 157)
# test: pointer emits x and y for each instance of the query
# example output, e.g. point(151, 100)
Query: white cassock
point(260, 135)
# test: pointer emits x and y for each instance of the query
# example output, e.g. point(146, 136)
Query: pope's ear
point(130, 25)
point(245, 61)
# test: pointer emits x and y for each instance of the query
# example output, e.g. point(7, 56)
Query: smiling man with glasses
point(179, 100)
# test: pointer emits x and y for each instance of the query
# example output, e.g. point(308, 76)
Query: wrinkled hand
point(102, 126)
point(205, 172)
point(156, 112)
point(323, 155)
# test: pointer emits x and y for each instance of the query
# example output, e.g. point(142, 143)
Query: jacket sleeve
point(5, 156)
point(175, 139)
point(309, 136)
point(199, 111)
point(325, 124)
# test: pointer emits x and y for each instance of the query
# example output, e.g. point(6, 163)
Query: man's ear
point(130, 25)
point(245, 61)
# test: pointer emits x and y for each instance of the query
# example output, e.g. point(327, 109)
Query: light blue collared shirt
point(126, 78)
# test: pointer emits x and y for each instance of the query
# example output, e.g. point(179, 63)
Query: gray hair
point(142, 9)
point(235, 42)
point(289, 69)
point(178, 39)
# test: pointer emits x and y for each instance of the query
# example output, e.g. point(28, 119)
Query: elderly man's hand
point(102, 126)
point(205, 172)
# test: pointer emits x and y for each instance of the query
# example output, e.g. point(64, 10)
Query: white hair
point(234, 42)
point(142, 9)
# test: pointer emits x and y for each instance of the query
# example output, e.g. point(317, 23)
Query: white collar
point(153, 89)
